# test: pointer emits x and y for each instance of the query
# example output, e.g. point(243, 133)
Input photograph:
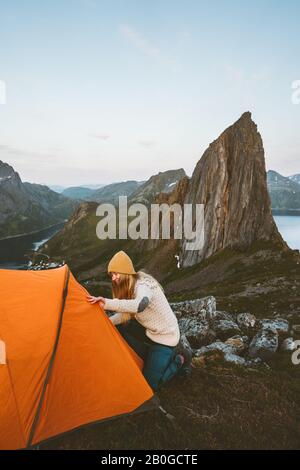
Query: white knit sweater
point(151, 309)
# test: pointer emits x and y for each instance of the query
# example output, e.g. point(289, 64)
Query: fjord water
point(14, 251)
point(289, 227)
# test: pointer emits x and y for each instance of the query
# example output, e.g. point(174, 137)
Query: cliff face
point(163, 182)
point(12, 193)
point(230, 180)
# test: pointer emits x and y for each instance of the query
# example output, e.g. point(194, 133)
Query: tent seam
point(16, 403)
point(51, 361)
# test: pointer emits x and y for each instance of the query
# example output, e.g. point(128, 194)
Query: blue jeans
point(161, 362)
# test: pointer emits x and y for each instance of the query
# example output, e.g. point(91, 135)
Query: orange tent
point(62, 362)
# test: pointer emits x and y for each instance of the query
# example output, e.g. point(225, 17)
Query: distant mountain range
point(26, 207)
point(284, 191)
point(295, 178)
point(139, 191)
point(59, 189)
point(111, 192)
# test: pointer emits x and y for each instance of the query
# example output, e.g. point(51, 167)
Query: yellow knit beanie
point(121, 263)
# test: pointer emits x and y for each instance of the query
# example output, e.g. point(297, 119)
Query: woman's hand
point(93, 300)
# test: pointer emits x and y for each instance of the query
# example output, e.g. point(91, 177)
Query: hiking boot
point(185, 352)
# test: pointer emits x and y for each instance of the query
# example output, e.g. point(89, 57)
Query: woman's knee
point(159, 358)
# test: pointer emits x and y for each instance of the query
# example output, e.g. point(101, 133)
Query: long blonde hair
point(125, 288)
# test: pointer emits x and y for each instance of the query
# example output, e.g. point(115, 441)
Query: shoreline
point(293, 212)
point(21, 235)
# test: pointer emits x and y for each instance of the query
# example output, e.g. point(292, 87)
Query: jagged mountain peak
point(230, 180)
point(25, 207)
point(7, 171)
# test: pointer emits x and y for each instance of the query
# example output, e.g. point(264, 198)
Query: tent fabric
point(66, 365)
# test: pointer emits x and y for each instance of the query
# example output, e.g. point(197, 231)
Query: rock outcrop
point(265, 343)
point(163, 182)
point(230, 180)
point(212, 335)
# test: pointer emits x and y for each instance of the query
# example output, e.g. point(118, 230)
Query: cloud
point(15, 155)
point(147, 143)
point(100, 136)
point(140, 42)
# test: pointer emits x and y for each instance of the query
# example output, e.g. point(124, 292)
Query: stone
point(196, 330)
point(257, 361)
point(221, 315)
point(238, 343)
point(246, 321)
point(296, 330)
point(287, 345)
point(209, 358)
point(204, 308)
point(217, 346)
point(215, 353)
point(184, 342)
point(225, 328)
point(264, 344)
point(279, 324)
point(235, 359)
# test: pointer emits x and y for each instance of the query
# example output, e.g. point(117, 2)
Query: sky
point(99, 91)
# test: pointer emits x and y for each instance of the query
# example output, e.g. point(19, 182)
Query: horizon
point(123, 89)
point(142, 180)
point(87, 184)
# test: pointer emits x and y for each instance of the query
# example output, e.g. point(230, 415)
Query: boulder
point(225, 328)
point(216, 352)
point(296, 330)
point(246, 322)
point(209, 358)
point(221, 315)
point(196, 330)
point(279, 324)
point(264, 344)
point(204, 308)
point(217, 346)
point(235, 359)
point(287, 345)
point(238, 343)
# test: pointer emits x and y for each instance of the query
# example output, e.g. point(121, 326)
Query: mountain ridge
point(27, 207)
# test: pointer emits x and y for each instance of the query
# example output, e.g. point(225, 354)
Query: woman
point(145, 319)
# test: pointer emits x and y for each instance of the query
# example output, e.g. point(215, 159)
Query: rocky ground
point(213, 335)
